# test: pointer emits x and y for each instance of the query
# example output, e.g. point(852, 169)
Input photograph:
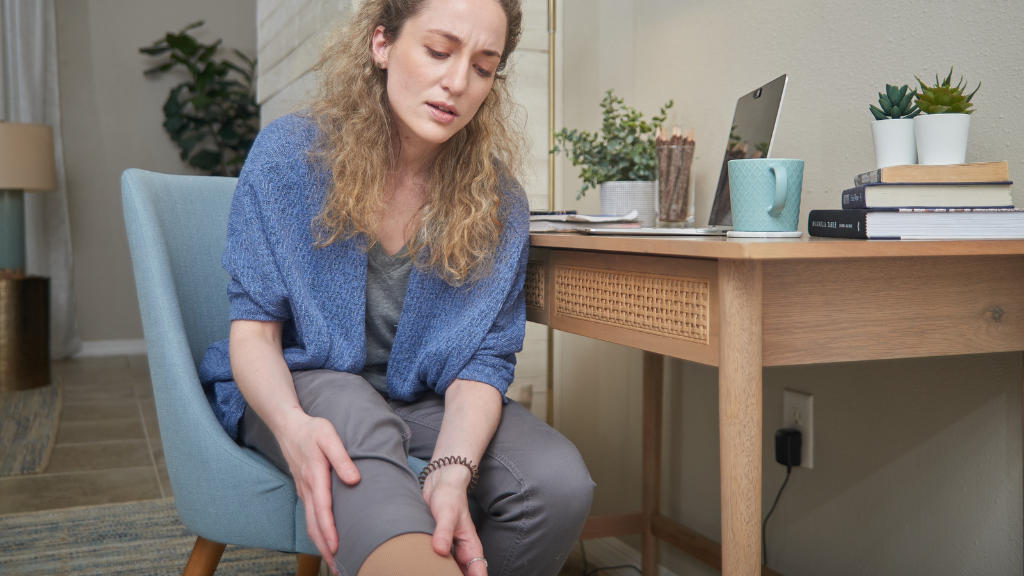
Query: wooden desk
point(743, 304)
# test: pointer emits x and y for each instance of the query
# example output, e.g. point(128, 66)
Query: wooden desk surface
point(776, 249)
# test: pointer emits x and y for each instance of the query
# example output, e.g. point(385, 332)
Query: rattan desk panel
point(657, 304)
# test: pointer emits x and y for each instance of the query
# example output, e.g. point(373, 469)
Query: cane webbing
point(665, 305)
point(534, 286)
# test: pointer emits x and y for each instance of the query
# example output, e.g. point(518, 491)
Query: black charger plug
point(787, 446)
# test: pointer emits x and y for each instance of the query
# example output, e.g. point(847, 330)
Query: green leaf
point(892, 93)
point(227, 132)
point(241, 55)
point(192, 26)
point(971, 95)
point(158, 69)
point(201, 102)
point(902, 94)
point(158, 49)
point(905, 98)
point(184, 43)
point(209, 51)
point(205, 160)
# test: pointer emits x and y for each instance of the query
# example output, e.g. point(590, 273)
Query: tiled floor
point(108, 444)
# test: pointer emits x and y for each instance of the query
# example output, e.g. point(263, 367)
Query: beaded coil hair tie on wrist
point(446, 461)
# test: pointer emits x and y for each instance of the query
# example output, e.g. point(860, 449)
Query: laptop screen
point(751, 135)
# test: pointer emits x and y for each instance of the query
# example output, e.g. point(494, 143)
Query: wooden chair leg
point(309, 565)
point(204, 558)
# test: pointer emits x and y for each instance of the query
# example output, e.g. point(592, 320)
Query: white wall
point(112, 120)
point(918, 462)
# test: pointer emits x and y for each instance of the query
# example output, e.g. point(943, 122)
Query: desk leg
point(739, 413)
point(654, 370)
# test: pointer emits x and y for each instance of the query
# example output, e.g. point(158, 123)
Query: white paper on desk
point(632, 216)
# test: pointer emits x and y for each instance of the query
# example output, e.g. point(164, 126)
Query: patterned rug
point(117, 539)
point(28, 428)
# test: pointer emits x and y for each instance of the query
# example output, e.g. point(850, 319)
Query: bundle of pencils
point(675, 158)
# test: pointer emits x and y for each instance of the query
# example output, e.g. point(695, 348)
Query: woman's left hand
point(445, 493)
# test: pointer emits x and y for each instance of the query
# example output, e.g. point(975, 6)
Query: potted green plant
point(893, 128)
point(212, 116)
point(619, 160)
point(942, 130)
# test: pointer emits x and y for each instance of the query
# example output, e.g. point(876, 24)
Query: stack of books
point(956, 201)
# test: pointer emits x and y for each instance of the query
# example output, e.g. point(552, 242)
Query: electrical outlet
point(798, 412)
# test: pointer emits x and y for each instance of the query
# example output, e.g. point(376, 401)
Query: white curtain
point(29, 93)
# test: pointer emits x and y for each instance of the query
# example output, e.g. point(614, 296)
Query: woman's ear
point(379, 48)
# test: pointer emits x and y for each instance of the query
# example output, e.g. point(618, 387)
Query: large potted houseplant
point(620, 160)
point(893, 128)
point(212, 115)
point(942, 130)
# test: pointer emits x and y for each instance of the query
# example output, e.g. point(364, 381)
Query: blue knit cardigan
point(444, 332)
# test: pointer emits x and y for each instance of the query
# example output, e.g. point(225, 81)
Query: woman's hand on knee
point(445, 493)
point(312, 448)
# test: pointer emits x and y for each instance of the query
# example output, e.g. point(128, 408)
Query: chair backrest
point(190, 215)
point(177, 228)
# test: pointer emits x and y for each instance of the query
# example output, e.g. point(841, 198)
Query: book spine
point(854, 198)
point(838, 223)
point(873, 177)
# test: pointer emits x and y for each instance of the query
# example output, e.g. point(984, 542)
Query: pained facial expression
point(441, 67)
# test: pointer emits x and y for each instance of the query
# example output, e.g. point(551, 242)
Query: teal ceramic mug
point(765, 194)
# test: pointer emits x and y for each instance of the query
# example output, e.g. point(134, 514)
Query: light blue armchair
point(224, 493)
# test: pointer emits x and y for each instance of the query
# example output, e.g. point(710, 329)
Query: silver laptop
point(751, 135)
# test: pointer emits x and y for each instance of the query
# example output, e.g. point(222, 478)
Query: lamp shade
point(26, 157)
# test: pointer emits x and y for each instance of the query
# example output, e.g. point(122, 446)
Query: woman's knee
point(365, 423)
point(561, 486)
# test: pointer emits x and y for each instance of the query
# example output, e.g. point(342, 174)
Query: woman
point(377, 246)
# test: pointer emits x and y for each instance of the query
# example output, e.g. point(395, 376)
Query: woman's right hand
point(312, 447)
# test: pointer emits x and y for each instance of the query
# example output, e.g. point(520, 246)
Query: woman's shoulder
point(280, 166)
point(515, 204)
point(283, 145)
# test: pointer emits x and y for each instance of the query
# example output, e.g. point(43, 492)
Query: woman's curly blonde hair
point(464, 207)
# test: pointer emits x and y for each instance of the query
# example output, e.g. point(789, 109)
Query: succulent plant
point(895, 103)
point(944, 98)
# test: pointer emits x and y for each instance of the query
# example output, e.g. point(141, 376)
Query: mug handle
point(781, 188)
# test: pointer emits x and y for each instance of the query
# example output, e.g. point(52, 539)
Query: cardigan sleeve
point(257, 290)
point(495, 358)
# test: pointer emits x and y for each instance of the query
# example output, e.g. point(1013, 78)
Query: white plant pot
point(942, 138)
point(623, 196)
point(895, 144)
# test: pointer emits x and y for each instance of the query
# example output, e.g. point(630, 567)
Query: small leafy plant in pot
point(893, 128)
point(620, 160)
point(943, 128)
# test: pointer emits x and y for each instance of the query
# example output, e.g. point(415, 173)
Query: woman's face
point(440, 68)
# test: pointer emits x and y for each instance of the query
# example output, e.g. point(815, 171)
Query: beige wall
point(917, 462)
point(112, 118)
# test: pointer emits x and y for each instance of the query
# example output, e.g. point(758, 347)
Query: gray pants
point(534, 486)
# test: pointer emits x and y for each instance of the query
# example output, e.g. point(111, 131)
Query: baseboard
point(615, 552)
point(93, 348)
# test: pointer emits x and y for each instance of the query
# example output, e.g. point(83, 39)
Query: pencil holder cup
point(765, 194)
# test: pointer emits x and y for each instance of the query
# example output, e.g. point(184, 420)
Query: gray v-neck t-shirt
point(387, 278)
